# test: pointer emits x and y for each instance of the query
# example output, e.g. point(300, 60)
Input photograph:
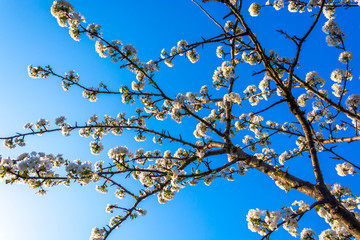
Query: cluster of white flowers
point(119, 153)
point(37, 72)
point(138, 86)
point(110, 208)
point(166, 56)
point(64, 13)
point(250, 93)
point(352, 102)
point(335, 35)
point(32, 168)
point(344, 169)
point(96, 147)
point(338, 90)
point(180, 49)
point(101, 49)
point(301, 101)
point(192, 55)
point(262, 221)
point(9, 143)
point(232, 98)
point(283, 157)
point(97, 234)
point(329, 11)
point(345, 57)
point(41, 124)
point(307, 234)
point(313, 79)
point(223, 74)
point(200, 130)
point(220, 52)
point(254, 9)
point(252, 58)
point(294, 7)
point(290, 224)
point(181, 46)
point(338, 75)
point(81, 170)
point(229, 25)
point(328, 235)
point(255, 218)
point(311, 4)
point(129, 50)
point(250, 90)
point(264, 84)
point(278, 4)
point(252, 122)
point(93, 31)
point(90, 94)
point(119, 193)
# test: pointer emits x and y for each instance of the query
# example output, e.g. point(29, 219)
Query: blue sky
point(30, 35)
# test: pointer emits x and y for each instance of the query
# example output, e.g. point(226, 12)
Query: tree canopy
point(259, 99)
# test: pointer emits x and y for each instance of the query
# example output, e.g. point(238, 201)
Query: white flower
point(60, 120)
point(329, 12)
point(229, 25)
point(313, 79)
point(227, 69)
point(302, 100)
point(232, 98)
point(42, 123)
point(344, 169)
point(338, 89)
point(169, 63)
point(219, 52)
point(345, 57)
point(328, 235)
point(352, 102)
point(129, 50)
point(337, 75)
point(97, 234)
point(335, 34)
point(284, 156)
point(307, 234)
point(101, 49)
point(278, 4)
point(93, 30)
point(90, 94)
point(137, 86)
point(252, 58)
point(61, 10)
point(254, 9)
point(96, 147)
point(181, 45)
point(293, 7)
point(192, 55)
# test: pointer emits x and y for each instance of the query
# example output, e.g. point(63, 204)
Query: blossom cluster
point(65, 15)
point(37, 170)
point(222, 74)
point(262, 221)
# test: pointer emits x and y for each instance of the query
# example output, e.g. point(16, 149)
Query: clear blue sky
point(30, 35)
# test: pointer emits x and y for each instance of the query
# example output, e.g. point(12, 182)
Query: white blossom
point(345, 57)
point(219, 52)
point(344, 169)
point(254, 9)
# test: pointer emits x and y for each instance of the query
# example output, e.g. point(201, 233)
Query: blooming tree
point(231, 119)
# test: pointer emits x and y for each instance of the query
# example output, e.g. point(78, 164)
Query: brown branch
point(341, 140)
